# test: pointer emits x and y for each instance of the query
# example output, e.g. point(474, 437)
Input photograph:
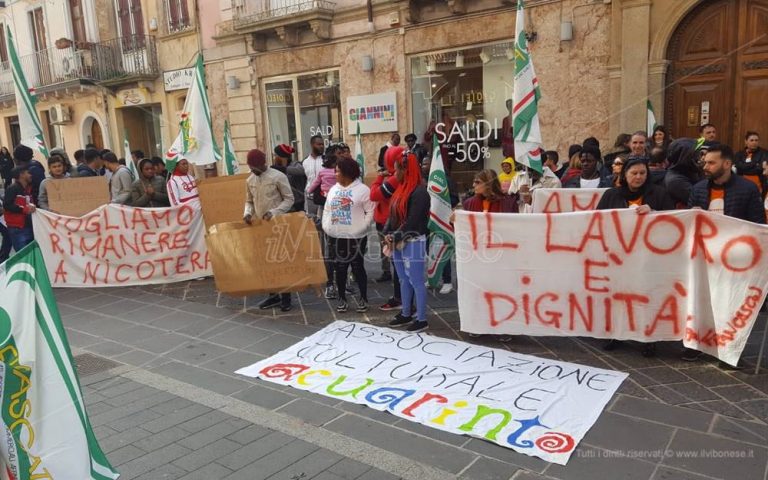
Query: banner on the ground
point(222, 198)
point(46, 433)
point(535, 406)
point(75, 197)
point(116, 245)
point(270, 256)
point(685, 275)
point(564, 200)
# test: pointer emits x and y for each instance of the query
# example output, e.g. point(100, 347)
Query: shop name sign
point(178, 79)
point(374, 113)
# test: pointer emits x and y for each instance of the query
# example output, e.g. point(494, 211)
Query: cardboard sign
point(687, 275)
point(74, 197)
point(222, 198)
point(535, 406)
point(271, 256)
point(116, 246)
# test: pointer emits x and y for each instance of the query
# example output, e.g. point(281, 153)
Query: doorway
point(719, 70)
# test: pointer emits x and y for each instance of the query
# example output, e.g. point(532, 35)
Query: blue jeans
point(5, 243)
point(21, 237)
point(410, 264)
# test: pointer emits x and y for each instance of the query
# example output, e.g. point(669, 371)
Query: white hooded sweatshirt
point(348, 211)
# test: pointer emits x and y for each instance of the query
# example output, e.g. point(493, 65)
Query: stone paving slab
point(713, 408)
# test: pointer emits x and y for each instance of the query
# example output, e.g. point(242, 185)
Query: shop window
point(461, 96)
point(303, 106)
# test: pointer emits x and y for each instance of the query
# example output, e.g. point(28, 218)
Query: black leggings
point(346, 252)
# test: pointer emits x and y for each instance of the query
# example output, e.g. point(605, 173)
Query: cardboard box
point(222, 199)
point(271, 256)
point(75, 197)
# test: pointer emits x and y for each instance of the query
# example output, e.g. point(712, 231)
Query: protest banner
point(222, 199)
point(46, 431)
point(270, 256)
point(532, 405)
point(687, 275)
point(74, 197)
point(564, 200)
point(116, 245)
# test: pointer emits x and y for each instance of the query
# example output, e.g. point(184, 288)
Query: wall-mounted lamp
point(484, 57)
point(566, 31)
point(233, 83)
point(459, 60)
point(431, 65)
point(510, 53)
point(367, 63)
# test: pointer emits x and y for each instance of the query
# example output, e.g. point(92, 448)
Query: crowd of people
point(26, 185)
point(641, 172)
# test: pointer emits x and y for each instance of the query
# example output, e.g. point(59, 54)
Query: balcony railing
point(113, 61)
point(250, 12)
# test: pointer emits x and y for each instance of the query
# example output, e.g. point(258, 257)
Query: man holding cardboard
point(268, 194)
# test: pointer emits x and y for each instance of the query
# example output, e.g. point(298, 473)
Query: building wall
point(575, 71)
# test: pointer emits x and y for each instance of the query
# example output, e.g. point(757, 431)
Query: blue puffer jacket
point(742, 199)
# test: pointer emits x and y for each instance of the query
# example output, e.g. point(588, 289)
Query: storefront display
point(462, 96)
point(302, 106)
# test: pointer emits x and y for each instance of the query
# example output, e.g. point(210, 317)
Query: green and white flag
point(359, 157)
point(26, 101)
point(46, 433)
point(132, 167)
point(441, 240)
point(525, 111)
point(651, 120)
point(195, 141)
point(230, 160)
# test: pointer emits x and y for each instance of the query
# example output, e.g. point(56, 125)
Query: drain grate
point(88, 364)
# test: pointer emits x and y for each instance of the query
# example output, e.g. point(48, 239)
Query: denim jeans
point(21, 237)
point(410, 263)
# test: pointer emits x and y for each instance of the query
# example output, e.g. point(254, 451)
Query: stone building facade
point(102, 70)
point(283, 70)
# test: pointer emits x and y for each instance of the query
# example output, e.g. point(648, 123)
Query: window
point(3, 46)
point(178, 15)
point(461, 96)
point(303, 106)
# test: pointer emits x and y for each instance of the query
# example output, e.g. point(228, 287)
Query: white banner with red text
point(535, 406)
point(685, 275)
point(116, 245)
point(564, 200)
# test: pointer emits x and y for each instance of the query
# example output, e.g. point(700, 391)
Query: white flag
point(46, 433)
point(29, 122)
point(195, 141)
point(525, 113)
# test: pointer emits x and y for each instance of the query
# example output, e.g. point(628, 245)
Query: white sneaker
point(446, 289)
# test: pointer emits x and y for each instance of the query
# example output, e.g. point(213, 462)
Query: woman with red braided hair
point(405, 236)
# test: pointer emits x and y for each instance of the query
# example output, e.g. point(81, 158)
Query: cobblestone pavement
point(157, 366)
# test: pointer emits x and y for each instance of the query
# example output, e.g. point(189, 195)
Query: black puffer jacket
point(742, 199)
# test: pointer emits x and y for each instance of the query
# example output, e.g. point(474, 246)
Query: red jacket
point(16, 204)
point(382, 190)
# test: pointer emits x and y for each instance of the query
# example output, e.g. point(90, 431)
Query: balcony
point(285, 18)
point(114, 62)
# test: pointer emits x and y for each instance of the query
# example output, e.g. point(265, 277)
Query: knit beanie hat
point(284, 151)
point(23, 153)
point(573, 150)
point(256, 158)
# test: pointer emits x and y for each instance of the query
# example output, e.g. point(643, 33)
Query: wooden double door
point(719, 71)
